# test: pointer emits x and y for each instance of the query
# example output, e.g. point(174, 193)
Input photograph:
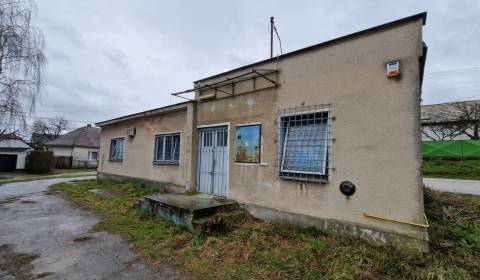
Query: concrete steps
point(192, 211)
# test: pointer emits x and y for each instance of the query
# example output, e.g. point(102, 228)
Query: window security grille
point(304, 143)
point(167, 148)
point(116, 149)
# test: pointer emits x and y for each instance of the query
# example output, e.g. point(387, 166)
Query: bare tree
point(440, 132)
point(51, 127)
point(21, 61)
point(469, 120)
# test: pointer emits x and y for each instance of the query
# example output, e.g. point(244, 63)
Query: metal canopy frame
point(231, 81)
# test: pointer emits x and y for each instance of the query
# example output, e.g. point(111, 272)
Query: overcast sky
point(111, 58)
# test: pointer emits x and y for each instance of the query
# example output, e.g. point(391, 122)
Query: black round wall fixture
point(347, 188)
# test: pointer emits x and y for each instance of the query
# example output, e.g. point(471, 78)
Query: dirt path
point(44, 236)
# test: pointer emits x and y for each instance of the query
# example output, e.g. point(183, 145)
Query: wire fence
point(451, 149)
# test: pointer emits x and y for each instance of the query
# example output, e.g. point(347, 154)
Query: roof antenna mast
point(271, 36)
point(274, 29)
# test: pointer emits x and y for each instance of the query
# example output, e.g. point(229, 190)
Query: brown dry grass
point(257, 250)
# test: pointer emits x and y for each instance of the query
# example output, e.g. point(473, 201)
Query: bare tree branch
point(440, 132)
point(51, 127)
point(456, 119)
point(469, 120)
point(22, 61)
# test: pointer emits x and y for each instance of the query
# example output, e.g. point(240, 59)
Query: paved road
point(454, 185)
point(44, 236)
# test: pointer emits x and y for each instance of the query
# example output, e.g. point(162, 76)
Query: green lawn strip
point(24, 177)
point(258, 250)
point(453, 169)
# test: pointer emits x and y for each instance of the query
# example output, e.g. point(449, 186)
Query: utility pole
point(271, 37)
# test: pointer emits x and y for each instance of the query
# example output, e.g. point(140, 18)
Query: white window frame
point(123, 149)
point(284, 138)
point(163, 136)
point(90, 153)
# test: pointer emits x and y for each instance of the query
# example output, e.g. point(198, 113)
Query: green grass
point(22, 176)
point(258, 250)
point(73, 170)
point(467, 169)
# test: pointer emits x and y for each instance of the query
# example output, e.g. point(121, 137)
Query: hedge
point(40, 162)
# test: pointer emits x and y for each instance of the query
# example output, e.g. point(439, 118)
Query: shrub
point(218, 224)
point(40, 162)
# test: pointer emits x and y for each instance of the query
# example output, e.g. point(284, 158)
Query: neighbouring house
point(451, 121)
point(325, 136)
point(38, 140)
point(13, 151)
point(77, 149)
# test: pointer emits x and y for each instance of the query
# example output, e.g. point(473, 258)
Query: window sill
point(116, 160)
point(165, 163)
point(251, 163)
point(311, 180)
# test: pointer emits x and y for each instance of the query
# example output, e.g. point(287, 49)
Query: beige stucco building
point(321, 136)
point(78, 148)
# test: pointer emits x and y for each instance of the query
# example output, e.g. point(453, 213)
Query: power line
point(278, 37)
point(77, 111)
point(477, 95)
point(273, 28)
point(52, 118)
point(469, 83)
point(464, 98)
point(455, 70)
point(464, 88)
point(447, 73)
point(432, 75)
point(53, 106)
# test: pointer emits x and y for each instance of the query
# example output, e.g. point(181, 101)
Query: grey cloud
point(58, 55)
point(67, 31)
point(130, 55)
point(116, 57)
point(237, 59)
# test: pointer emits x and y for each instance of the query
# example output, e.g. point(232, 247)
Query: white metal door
point(213, 160)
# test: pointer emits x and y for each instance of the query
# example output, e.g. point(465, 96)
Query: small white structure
point(13, 151)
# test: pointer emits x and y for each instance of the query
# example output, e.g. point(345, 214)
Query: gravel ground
point(43, 236)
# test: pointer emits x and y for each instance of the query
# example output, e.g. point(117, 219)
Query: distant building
point(77, 148)
point(441, 121)
point(13, 151)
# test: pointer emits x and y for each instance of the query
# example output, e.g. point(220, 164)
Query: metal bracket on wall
point(231, 81)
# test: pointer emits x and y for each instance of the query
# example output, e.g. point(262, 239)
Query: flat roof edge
point(144, 114)
point(422, 16)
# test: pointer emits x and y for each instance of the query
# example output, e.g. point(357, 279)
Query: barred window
point(116, 149)
point(304, 146)
point(167, 148)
